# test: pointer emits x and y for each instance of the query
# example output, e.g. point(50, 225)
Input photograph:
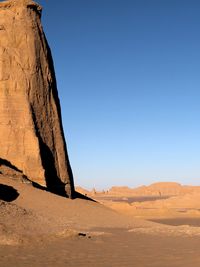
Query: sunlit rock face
point(31, 133)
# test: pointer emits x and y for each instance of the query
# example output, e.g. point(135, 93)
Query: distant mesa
point(31, 132)
point(159, 189)
point(155, 189)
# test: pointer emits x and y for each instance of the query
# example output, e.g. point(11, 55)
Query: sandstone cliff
point(31, 133)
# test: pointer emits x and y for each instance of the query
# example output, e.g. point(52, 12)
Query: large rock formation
point(31, 133)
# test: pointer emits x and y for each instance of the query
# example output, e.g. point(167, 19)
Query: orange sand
point(42, 229)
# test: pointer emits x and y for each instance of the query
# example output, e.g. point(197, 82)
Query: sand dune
point(44, 229)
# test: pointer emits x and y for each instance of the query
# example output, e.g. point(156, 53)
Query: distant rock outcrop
point(157, 189)
point(31, 133)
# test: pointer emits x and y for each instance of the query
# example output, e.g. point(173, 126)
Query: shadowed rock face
point(31, 133)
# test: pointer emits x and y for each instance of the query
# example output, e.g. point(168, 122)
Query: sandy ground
point(38, 228)
point(120, 248)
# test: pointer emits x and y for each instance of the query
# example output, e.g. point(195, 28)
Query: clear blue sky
point(128, 74)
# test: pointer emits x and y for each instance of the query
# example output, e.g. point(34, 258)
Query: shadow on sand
point(8, 193)
point(61, 192)
point(81, 196)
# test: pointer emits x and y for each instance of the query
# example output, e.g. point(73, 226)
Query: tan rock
point(31, 133)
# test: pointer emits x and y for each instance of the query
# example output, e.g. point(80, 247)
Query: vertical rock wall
point(31, 133)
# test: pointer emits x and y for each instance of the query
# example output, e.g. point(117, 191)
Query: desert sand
point(39, 228)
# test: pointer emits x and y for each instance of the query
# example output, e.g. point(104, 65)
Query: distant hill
point(155, 189)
